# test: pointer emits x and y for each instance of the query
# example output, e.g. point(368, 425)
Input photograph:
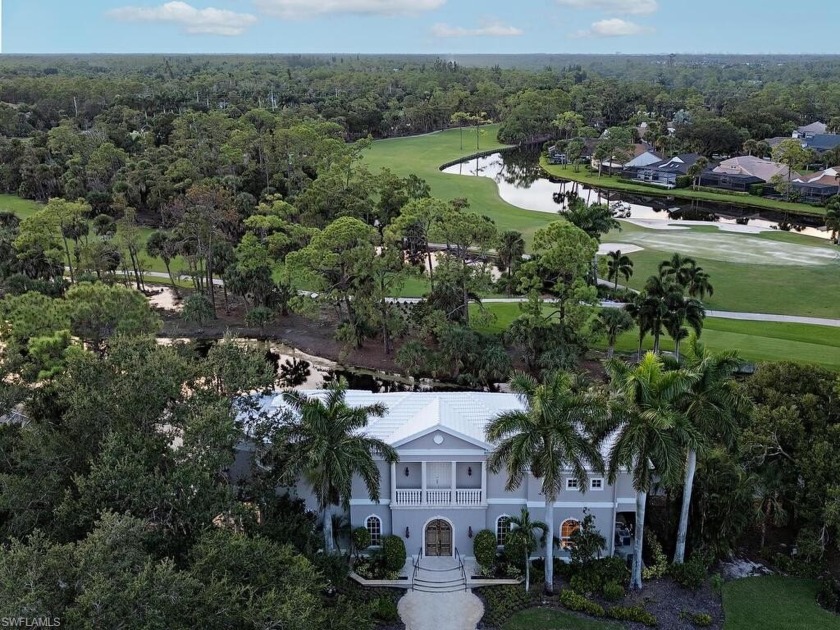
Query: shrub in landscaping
point(574, 601)
point(690, 574)
point(484, 548)
point(393, 551)
point(633, 613)
point(717, 583)
point(361, 539)
point(828, 594)
point(613, 591)
point(385, 610)
point(701, 620)
point(657, 567)
point(587, 541)
point(684, 181)
point(592, 577)
point(502, 602)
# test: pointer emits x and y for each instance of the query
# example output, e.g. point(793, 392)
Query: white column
point(452, 484)
point(484, 483)
point(393, 482)
point(423, 483)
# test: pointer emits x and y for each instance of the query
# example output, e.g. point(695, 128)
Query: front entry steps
point(438, 575)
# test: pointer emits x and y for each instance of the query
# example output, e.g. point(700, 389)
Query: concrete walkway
point(440, 611)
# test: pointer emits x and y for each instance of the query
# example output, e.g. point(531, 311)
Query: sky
point(418, 26)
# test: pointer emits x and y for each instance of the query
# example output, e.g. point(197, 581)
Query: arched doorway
point(438, 538)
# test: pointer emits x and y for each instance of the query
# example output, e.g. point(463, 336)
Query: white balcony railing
point(468, 497)
point(438, 497)
point(408, 497)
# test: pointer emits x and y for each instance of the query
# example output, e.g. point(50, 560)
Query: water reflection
point(524, 184)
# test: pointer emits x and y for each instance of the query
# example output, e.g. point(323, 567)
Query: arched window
point(374, 526)
point(569, 527)
point(502, 529)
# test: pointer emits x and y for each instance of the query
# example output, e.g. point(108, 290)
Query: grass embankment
point(423, 156)
point(615, 183)
point(775, 603)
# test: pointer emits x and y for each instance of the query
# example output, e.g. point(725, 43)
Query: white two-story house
point(440, 493)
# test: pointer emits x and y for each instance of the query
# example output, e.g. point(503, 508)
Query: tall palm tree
point(647, 432)
point(832, 216)
point(699, 284)
point(660, 293)
point(681, 311)
point(696, 170)
point(618, 264)
point(551, 434)
point(613, 322)
point(641, 309)
point(678, 268)
point(323, 444)
point(523, 526)
point(509, 253)
point(713, 406)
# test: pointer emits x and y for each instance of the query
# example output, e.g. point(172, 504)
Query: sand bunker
point(626, 248)
point(740, 248)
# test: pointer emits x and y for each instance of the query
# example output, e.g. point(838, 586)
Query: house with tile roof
point(666, 172)
point(813, 129)
point(818, 187)
point(764, 170)
point(440, 493)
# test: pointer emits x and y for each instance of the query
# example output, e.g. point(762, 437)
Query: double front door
point(438, 538)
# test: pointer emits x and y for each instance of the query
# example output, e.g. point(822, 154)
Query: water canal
point(524, 184)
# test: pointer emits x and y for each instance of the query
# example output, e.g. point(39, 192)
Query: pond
point(524, 184)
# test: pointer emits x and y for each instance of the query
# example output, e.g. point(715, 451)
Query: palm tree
point(832, 217)
point(679, 268)
point(682, 311)
point(699, 284)
point(713, 406)
point(523, 526)
point(696, 170)
point(618, 264)
point(641, 309)
point(550, 435)
point(614, 321)
point(660, 293)
point(647, 432)
point(509, 252)
point(323, 443)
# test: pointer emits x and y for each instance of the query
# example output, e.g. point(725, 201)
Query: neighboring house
point(639, 162)
point(821, 142)
point(818, 187)
point(736, 182)
point(440, 493)
point(808, 131)
point(666, 172)
point(613, 165)
point(765, 170)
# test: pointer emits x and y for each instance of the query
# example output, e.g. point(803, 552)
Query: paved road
point(754, 317)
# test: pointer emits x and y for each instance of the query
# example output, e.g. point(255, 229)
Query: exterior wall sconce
point(469, 471)
point(406, 471)
point(469, 531)
point(407, 533)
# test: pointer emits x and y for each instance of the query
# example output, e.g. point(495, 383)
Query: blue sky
point(419, 26)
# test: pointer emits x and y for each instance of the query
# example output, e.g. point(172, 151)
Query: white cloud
point(194, 21)
point(626, 7)
point(614, 27)
point(487, 29)
point(294, 9)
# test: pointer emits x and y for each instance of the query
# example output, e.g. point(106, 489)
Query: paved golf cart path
point(755, 317)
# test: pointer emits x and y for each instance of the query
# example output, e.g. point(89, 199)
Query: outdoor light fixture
point(407, 533)
point(469, 471)
point(469, 531)
point(406, 471)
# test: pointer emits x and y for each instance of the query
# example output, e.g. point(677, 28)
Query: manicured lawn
point(775, 603)
point(550, 619)
point(614, 183)
point(423, 156)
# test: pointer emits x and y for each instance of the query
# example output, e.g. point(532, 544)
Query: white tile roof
point(410, 414)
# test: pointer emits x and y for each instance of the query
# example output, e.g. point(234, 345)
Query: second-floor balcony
point(439, 484)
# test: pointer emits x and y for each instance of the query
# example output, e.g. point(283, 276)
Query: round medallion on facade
point(438, 438)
